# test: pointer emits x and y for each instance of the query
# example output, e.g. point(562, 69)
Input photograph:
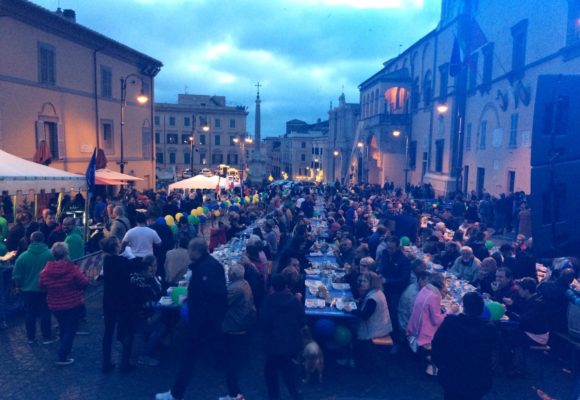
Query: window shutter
point(39, 132)
point(60, 136)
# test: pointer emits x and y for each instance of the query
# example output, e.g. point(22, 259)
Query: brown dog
point(312, 356)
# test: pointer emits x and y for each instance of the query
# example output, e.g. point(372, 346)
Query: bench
point(383, 341)
point(574, 343)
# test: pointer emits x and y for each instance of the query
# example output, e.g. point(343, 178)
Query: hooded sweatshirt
point(28, 266)
point(64, 284)
point(76, 244)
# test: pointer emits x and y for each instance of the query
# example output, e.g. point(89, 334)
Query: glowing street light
point(442, 108)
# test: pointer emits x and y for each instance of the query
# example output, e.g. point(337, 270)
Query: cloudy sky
point(303, 52)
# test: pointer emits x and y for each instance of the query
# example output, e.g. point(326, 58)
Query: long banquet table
point(345, 294)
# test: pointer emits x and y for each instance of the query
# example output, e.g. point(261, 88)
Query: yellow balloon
point(192, 212)
point(217, 213)
point(169, 219)
point(178, 216)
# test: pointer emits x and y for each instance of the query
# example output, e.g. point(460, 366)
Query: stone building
point(342, 125)
point(462, 98)
point(211, 123)
point(62, 86)
point(304, 151)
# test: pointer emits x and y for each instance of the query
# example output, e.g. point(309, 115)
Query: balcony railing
point(387, 119)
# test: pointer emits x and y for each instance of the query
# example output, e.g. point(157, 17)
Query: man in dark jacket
point(207, 302)
point(395, 269)
point(533, 316)
point(462, 350)
point(282, 319)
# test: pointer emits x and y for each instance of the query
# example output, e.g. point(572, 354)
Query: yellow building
point(64, 83)
point(214, 126)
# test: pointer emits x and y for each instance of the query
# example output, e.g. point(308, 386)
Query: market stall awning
point(197, 182)
point(18, 174)
point(108, 177)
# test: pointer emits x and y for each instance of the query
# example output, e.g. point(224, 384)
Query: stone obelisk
point(257, 165)
point(258, 121)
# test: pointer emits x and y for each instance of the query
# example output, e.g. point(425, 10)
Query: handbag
point(413, 343)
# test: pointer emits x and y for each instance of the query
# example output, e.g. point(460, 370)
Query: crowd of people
point(399, 293)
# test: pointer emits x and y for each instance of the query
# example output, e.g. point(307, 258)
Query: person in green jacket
point(3, 232)
point(25, 275)
point(74, 239)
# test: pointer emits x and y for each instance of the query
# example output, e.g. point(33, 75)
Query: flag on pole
point(91, 171)
point(455, 62)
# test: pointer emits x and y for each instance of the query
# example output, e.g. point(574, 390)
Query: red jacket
point(64, 284)
point(217, 237)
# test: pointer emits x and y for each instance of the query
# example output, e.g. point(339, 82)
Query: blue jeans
point(68, 321)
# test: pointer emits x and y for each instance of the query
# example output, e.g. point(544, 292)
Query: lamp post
point(242, 140)
point(397, 133)
point(335, 153)
point(192, 142)
point(205, 129)
point(360, 146)
point(141, 99)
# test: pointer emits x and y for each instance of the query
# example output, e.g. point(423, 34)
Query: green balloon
point(205, 210)
point(496, 310)
point(173, 228)
point(488, 244)
point(191, 218)
point(178, 291)
point(405, 241)
point(342, 335)
point(195, 220)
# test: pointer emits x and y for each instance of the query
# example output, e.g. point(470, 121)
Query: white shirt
point(299, 202)
point(141, 239)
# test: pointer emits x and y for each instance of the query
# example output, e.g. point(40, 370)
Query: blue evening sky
point(303, 52)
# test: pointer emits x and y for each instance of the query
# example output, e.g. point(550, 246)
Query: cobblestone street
point(28, 372)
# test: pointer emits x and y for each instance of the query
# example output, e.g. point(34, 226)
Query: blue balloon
point(485, 314)
point(161, 221)
point(324, 327)
point(202, 218)
point(184, 312)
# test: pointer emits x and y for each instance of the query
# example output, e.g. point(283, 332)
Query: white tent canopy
point(108, 177)
point(18, 174)
point(204, 182)
point(197, 182)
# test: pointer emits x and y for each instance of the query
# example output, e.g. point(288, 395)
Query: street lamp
point(442, 108)
point(242, 140)
point(397, 133)
point(142, 98)
point(360, 146)
point(335, 153)
point(192, 143)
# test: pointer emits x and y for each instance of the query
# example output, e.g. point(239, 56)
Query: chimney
point(70, 15)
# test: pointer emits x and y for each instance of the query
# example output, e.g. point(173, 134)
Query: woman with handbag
point(426, 317)
point(373, 318)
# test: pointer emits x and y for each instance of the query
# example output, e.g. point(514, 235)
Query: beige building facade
point(60, 83)
point(342, 125)
point(466, 126)
point(214, 127)
point(305, 151)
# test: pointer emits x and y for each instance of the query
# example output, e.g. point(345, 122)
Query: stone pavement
point(28, 372)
